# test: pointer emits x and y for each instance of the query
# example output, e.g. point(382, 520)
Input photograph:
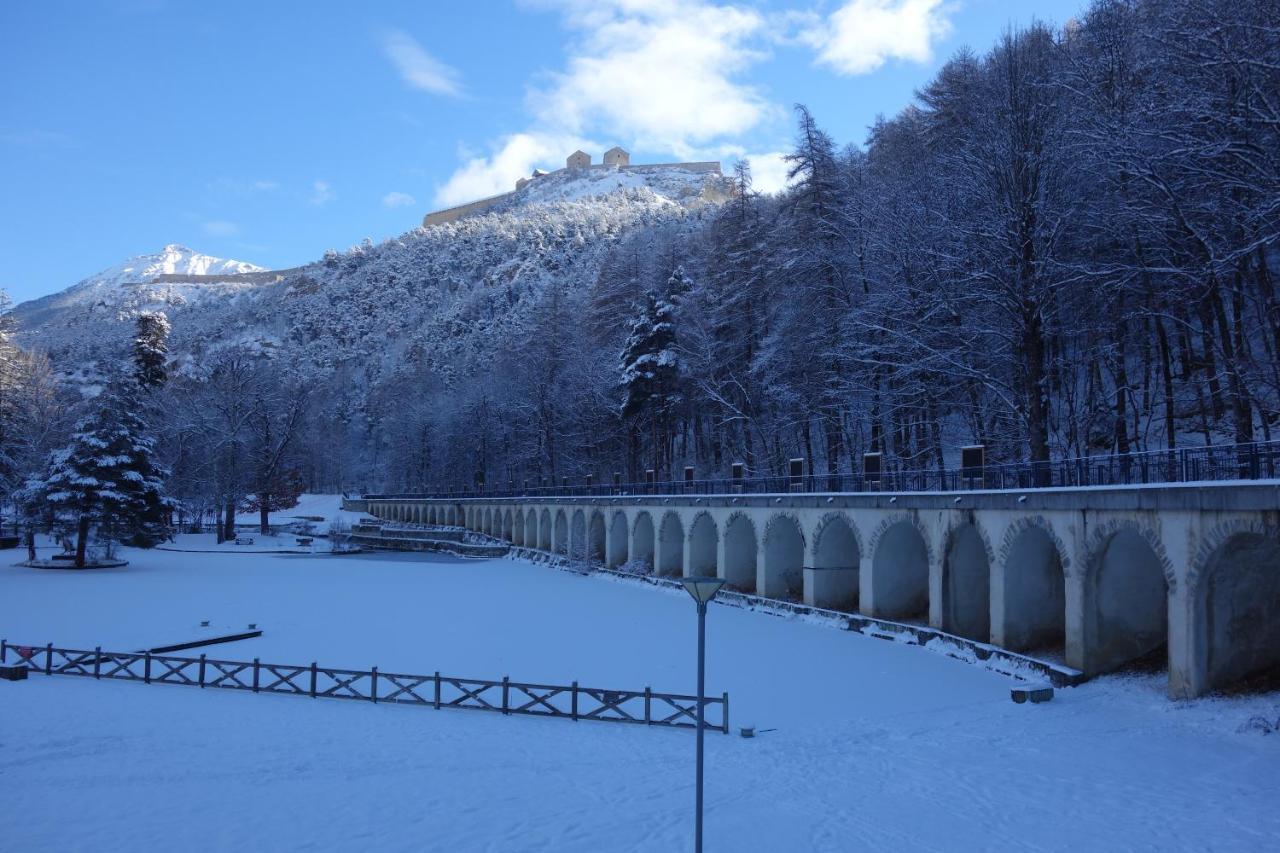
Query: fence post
point(574, 701)
point(146, 668)
point(255, 675)
point(648, 695)
point(506, 686)
point(48, 659)
point(201, 672)
point(437, 690)
point(313, 679)
point(4, 649)
point(97, 661)
point(373, 685)
point(726, 712)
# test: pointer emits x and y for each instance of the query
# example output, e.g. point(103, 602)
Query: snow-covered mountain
point(420, 292)
point(118, 292)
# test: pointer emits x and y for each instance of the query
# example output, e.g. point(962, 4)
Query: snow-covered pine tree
point(108, 474)
point(651, 365)
point(151, 350)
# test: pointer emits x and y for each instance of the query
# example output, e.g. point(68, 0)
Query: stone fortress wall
point(615, 158)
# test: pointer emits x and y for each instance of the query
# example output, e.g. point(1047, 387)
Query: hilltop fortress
point(614, 159)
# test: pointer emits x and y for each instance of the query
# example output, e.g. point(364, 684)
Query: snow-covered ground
point(877, 745)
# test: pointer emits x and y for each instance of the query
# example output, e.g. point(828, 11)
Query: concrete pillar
point(611, 543)
point(936, 618)
point(866, 589)
point(1077, 657)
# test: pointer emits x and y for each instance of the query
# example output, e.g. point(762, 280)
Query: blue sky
point(269, 132)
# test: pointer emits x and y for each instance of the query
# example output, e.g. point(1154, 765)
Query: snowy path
point(879, 745)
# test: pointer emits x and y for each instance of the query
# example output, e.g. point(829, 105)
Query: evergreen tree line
point(1066, 246)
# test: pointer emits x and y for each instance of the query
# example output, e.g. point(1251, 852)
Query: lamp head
point(703, 589)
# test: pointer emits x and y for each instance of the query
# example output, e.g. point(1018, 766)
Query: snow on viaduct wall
point(1104, 577)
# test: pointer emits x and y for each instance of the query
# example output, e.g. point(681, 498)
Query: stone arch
point(531, 529)
point(596, 538)
point(508, 525)
point(561, 534)
point(451, 517)
point(1031, 598)
point(835, 543)
point(741, 553)
point(616, 541)
point(836, 562)
point(784, 551)
point(517, 527)
point(1126, 598)
point(966, 583)
point(671, 545)
point(488, 521)
point(704, 538)
point(1236, 599)
point(578, 535)
point(899, 570)
point(642, 539)
point(544, 530)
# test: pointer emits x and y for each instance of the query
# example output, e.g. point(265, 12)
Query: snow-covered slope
point(687, 187)
point(74, 323)
point(422, 293)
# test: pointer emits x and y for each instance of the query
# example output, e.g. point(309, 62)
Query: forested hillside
point(1065, 246)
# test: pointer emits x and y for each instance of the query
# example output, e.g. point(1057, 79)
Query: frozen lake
point(876, 744)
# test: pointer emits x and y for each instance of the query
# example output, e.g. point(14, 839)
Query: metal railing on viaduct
point(1252, 461)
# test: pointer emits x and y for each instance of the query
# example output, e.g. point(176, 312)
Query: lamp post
point(703, 589)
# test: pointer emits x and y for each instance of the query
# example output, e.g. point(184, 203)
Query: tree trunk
point(229, 524)
point(82, 540)
point(262, 514)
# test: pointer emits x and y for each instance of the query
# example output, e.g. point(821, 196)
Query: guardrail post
point(506, 687)
point(97, 661)
point(48, 659)
point(726, 713)
point(437, 703)
point(201, 672)
point(146, 668)
point(648, 695)
point(373, 685)
point(255, 675)
point(574, 701)
point(313, 679)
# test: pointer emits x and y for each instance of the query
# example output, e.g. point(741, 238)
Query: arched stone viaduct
point(1099, 577)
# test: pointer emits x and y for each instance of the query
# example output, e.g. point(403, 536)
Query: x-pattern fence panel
point(573, 701)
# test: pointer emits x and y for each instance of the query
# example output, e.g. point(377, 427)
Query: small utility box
point(871, 468)
point(1035, 693)
point(972, 462)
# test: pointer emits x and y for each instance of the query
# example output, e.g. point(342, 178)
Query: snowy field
point(877, 745)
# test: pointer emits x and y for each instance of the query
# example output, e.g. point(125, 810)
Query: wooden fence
point(575, 702)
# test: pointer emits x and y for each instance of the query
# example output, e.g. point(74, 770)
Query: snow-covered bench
point(244, 540)
point(305, 540)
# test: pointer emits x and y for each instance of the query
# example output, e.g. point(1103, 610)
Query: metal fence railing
point(1253, 461)
point(574, 701)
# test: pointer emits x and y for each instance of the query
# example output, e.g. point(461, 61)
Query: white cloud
point(322, 193)
point(768, 171)
point(220, 228)
point(398, 199)
point(659, 75)
point(863, 35)
point(656, 73)
point(513, 157)
point(418, 68)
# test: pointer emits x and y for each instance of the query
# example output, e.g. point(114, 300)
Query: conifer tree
point(108, 474)
point(151, 350)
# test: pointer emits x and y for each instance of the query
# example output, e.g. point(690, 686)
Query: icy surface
point(877, 745)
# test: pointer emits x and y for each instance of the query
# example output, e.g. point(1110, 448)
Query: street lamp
point(703, 589)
